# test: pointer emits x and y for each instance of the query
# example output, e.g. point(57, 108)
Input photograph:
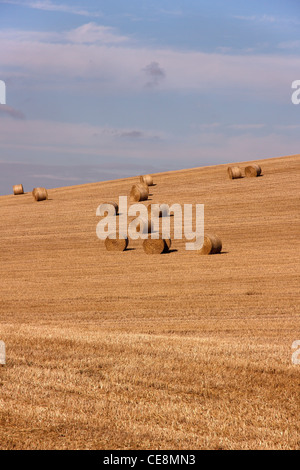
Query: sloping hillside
point(174, 351)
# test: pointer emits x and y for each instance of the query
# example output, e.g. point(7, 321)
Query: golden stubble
point(121, 350)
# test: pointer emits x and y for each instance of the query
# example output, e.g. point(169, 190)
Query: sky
point(100, 90)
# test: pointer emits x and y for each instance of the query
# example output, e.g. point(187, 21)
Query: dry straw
point(211, 245)
point(234, 172)
point(139, 193)
point(18, 189)
point(40, 194)
point(252, 171)
point(106, 207)
point(144, 186)
point(115, 244)
point(156, 247)
point(147, 179)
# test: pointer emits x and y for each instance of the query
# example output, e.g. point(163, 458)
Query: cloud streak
point(75, 140)
point(89, 33)
point(269, 19)
point(105, 61)
point(72, 142)
point(48, 5)
point(289, 45)
point(6, 110)
point(53, 176)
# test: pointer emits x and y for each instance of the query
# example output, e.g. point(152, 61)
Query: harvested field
point(120, 350)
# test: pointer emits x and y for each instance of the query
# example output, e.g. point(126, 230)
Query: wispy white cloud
point(243, 127)
point(72, 140)
point(268, 19)
point(89, 33)
point(57, 177)
point(175, 13)
point(288, 127)
point(106, 61)
point(261, 19)
point(211, 127)
point(48, 5)
point(224, 50)
point(75, 139)
point(51, 175)
point(290, 45)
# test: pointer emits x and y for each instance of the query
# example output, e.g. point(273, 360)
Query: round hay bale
point(115, 244)
point(138, 193)
point(211, 245)
point(156, 247)
point(40, 194)
point(147, 179)
point(106, 207)
point(144, 225)
point(144, 186)
point(234, 172)
point(18, 189)
point(252, 171)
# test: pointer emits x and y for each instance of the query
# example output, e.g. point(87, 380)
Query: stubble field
point(174, 351)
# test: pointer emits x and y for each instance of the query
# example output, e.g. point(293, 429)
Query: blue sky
point(100, 90)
